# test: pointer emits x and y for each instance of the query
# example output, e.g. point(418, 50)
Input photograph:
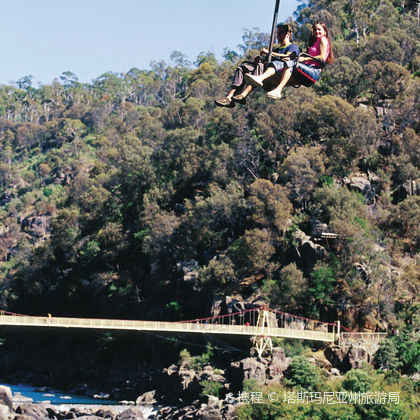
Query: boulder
point(148, 398)
point(131, 413)
point(33, 411)
point(6, 397)
point(335, 355)
point(278, 364)
point(4, 413)
point(364, 184)
point(180, 383)
point(190, 273)
point(253, 369)
point(105, 413)
point(306, 249)
point(356, 356)
point(211, 410)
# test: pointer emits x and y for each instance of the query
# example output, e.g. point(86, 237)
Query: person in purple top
point(282, 57)
point(319, 47)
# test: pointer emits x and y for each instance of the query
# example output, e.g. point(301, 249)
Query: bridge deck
point(162, 326)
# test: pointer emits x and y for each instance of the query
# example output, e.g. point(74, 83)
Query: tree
point(405, 222)
point(321, 288)
point(387, 355)
point(386, 79)
point(342, 78)
point(251, 253)
point(289, 292)
point(302, 373)
point(301, 171)
point(349, 133)
point(358, 380)
point(269, 206)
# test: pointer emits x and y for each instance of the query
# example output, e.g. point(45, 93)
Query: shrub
point(357, 380)
point(302, 373)
point(211, 388)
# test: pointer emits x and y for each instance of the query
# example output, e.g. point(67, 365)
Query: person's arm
point(264, 51)
point(323, 54)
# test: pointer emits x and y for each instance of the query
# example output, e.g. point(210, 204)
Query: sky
point(44, 38)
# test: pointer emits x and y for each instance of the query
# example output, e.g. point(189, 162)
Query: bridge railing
point(373, 337)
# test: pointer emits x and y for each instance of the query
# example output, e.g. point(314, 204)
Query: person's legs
point(238, 84)
point(274, 67)
point(285, 77)
point(256, 70)
point(257, 80)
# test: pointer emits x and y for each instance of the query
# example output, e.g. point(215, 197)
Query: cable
point(173, 339)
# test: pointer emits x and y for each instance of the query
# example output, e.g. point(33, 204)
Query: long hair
point(312, 40)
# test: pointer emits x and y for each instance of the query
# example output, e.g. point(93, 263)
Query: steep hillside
point(135, 197)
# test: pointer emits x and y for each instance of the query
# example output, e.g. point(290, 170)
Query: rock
point(361, 183)
point(5, 198)
point(33, 411)
point(228, 412)
point(415, 376)
point(4, 412)
point(217, 305)
point(306, 249)
point(131, 413)
point(253, 369)
point(208, 374)
point(105, 413)
point(180, 383)
point(356, 356)
point(6, 399)
point(36, 226)
point(21, 399)
point(190, 273)
point(335, 355)
point(148, 398)
point(278, 364)
point(335, 372)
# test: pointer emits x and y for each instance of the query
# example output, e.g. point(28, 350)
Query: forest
point(135, 197)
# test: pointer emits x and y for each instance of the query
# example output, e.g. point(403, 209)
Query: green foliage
point(302, 373)
point(321, 288)
point(289, 291)
point(211, 388)
point(293, 347)
point(184, 357)
point(133, 191)
point(407, 408)
point(250, 385)
point(198, 362)
point(358, 380)
point(387, 355)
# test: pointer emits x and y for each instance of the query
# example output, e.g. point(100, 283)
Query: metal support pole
point(273, 29)
point(263, 341)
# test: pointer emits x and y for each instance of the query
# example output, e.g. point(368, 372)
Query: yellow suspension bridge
point(261, 323)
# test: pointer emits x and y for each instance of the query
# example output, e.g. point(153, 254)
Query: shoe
point(225, 102)
point(241, 98)
point(273, 95)
point(253, 81)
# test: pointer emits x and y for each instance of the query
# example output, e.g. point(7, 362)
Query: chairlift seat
point(297, 79)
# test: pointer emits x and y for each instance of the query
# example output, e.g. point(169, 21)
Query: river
point(29, 394)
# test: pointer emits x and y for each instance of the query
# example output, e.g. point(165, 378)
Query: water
point(28, 394)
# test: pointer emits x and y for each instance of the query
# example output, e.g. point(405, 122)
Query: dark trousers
point(238, 82)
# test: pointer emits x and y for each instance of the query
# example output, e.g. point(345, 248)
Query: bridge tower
point(262, 342)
